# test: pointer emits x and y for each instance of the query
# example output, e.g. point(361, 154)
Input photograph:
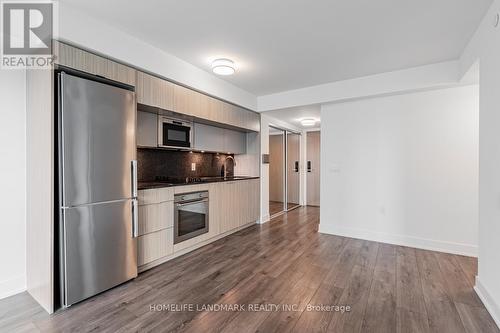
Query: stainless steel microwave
point(174, 133)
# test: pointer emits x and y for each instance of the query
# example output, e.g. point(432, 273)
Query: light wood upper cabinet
point(189, 102)
point(78, 59)
point(252, 121)
point(240, 117)
point(183, 102)
point(157, 92)
point(214, 109)
point(118, 72)
point(229, 114)
point(154, 91)
point(87, 62)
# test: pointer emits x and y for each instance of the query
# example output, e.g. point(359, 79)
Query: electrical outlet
point(193, 166)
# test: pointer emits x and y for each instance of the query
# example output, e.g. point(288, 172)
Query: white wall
point(403, 169)
point(485, 48)
point(12, 182)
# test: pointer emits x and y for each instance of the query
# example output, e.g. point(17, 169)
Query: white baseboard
point(488, 301)
point(264, 219)
point(12, 286)
point(420, 243)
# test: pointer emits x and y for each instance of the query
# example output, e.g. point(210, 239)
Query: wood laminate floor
point(285, 262)
point(276, 207)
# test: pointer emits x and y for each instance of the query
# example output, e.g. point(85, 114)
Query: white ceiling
point(294, 115)
point(288, 44)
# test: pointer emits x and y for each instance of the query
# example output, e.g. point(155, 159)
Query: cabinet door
point(244, 199)
point(181, 100)
point(118, 72)
point(229, 211)
point(75, 58)
point(201, 106)
point(229, 115)
point(216, 206)
point(252, 121)
point(156, 217)
point(214, 111)
point(189, 102)
point(90, 63)
point(155, 246)
point(249, 197)
point(208, 138)
point(255, 199)
point(155, 195)
point(147, 129)
point(235, 142)
point(154, 91)
point(237, 116)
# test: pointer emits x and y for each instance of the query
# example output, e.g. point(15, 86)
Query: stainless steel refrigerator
point(97, 186)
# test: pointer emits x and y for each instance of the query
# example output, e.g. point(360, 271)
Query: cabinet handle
point(135, 219)
point(133, 166)
point(309, 166)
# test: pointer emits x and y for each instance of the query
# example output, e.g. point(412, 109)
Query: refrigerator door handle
point(135, 218)
point(134, 178)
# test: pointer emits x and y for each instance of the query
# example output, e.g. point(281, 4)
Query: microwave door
point(174, 135)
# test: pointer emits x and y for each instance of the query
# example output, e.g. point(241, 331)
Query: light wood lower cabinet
point(240, 203)
point(155, 217)
point(232, 205)
point(155, 246)
point(156, 195)
point(156, 221)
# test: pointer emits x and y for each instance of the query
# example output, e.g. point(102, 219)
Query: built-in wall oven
point(190, 215)
point(174, 133)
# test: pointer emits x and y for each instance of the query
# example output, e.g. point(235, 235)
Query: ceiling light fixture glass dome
point(223, 66)
point(308, 122)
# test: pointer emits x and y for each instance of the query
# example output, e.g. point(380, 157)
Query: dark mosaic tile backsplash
point(171, 163)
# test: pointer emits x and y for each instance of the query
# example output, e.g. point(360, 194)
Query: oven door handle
point(190, 203)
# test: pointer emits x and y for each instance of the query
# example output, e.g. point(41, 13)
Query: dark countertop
point(146, 185)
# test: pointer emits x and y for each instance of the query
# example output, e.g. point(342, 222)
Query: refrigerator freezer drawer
point(98, 249)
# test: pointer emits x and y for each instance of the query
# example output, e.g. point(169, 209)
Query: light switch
point(193, 166)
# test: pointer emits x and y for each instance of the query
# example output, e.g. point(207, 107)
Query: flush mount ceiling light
point(223, 66)
point(308, 122)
